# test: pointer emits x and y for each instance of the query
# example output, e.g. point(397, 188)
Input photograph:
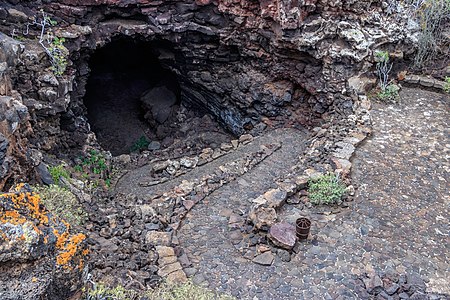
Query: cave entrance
point(127, 92)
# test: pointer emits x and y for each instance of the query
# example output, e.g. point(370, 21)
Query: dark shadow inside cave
point(127, 90)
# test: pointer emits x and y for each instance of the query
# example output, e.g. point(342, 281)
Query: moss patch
point(62, 203)
point(186, 291)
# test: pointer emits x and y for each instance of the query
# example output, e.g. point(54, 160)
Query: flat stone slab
point(158, 238)
point(164, 251)
point(177, 277)
point(283, 235)
point(170, 268)
point(265, 259)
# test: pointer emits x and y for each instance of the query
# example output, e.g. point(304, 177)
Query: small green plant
point(62, 203)
point(16, 36)
point(95, 169)
point(102, 292)
point(58, 54)
point(326, 189)
point(53, 45)
point(108, 182)
point(95, 161)
point(57, 172)
point(390, 93)
point(185, 291)
point(141, 144)
point(447, 85)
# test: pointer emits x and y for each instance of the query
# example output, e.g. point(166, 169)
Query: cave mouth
point(129, 93)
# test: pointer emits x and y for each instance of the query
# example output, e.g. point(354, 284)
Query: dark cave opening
point(129, 93)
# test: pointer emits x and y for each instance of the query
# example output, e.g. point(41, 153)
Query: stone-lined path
point(208, 241)
point(291, 140)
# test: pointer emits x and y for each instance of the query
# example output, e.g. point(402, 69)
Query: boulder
point(275, 197)
point(42, 173)
point(41, 257)
point(159, 101)
point(262, 216)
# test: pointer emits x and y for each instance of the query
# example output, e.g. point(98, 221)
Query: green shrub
point(141, 144)
point(102, 292)
point(447, 84)
point(185, 291)
point(326, 189)
point(390, 93)
point(62, 203)
point(57, 172)
point(94, 162)
point(383, 68)
point(53, 45)
point(432, 16)
point(94, 167)
point(58, 54)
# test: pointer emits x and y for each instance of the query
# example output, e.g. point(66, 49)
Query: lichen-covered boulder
point(40, 257)
point(261, 216)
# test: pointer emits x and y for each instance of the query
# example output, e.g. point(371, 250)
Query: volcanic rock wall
point(244, 61)
point(14, 125)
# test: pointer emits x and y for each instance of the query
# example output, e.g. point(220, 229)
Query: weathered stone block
point(158, 238)
point(164, 251)
point(170, 268)
point(177, 277)
point(262, 216)
point(275, 197)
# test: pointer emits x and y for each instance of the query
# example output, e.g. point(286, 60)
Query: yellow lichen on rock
point(24, 220)
point(69, 249)
point(23, 201)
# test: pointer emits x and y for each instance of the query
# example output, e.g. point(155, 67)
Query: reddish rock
point(188, 204)
point(283, 235)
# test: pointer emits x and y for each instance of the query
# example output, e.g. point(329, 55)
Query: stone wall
point(14, 117)
point(287, 60)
